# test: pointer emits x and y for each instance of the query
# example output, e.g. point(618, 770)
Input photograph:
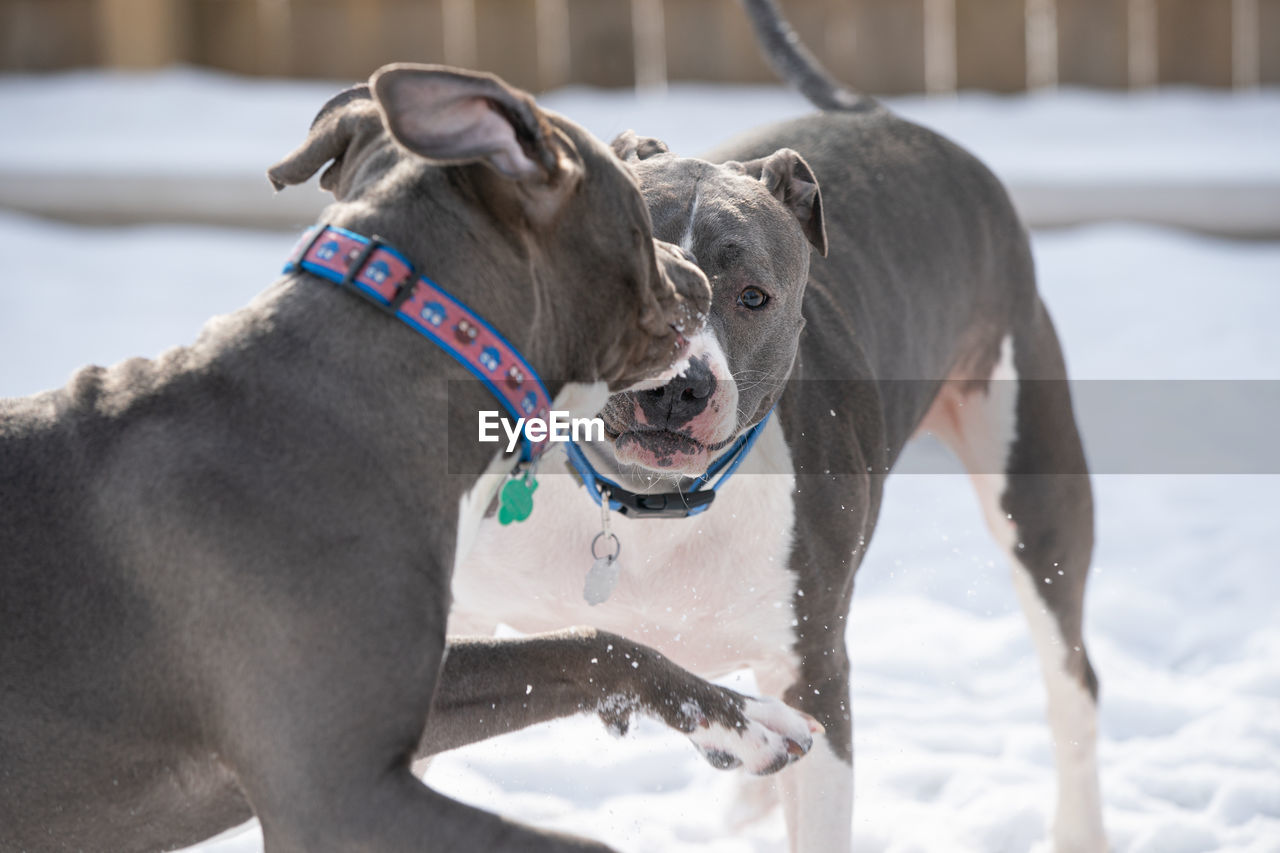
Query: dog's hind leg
point(1017, 437)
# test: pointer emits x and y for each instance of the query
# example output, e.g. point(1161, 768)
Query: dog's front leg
point(817, 794)
point(491, 686)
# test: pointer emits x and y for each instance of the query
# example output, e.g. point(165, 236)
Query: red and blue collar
point(379, 274)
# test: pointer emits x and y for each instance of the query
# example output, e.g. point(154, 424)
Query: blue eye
point(753, 298)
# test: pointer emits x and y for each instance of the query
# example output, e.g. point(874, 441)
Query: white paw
point(773, 736)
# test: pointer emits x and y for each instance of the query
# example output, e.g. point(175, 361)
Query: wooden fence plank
point(1269, 42)
point(711, 40)
point(691, 37)
point(1193, 41)
point(601, 46)
point(458, 32)
point(44, 35)
point(888, 46)
point(412, 31)
point(349, 39)
point(144, 33)
point(939, 46)
point(826, 28)
point(231, 37)
point(505, 40)
point(1093, 43)
point(329, 41)
point(991, 45)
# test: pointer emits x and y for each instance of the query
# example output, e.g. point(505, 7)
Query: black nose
point(681, 399)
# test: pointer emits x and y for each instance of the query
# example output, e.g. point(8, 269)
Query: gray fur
point(225, 572)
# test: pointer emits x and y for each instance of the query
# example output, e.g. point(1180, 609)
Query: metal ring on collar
point(617, 546)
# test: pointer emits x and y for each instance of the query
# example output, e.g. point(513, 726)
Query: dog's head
point(480, 186)
point(749, 226)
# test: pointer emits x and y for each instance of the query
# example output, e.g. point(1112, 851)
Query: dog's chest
point(713, 592)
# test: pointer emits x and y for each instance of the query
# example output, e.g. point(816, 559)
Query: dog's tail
point(795, 64)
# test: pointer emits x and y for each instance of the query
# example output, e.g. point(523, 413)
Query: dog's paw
point(770, 736)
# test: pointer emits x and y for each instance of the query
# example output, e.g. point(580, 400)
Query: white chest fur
point(711, 592)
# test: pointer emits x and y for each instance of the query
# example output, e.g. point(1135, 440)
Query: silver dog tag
point(602, 577)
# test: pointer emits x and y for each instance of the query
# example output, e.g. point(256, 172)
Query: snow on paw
point(771, 736)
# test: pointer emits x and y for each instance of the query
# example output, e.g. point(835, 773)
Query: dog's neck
point(487, 257)
point(403, 395)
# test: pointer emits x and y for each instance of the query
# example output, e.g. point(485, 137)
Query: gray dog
point(898, 298)
point(224, 573)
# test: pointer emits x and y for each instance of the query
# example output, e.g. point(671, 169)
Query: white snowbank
point(194, 145)
point(184, 119)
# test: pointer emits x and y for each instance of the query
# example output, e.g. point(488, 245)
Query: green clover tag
point(516, 499)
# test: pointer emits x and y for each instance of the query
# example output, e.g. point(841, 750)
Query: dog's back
point(81, 633)
point(924, 243)
point(49, 571)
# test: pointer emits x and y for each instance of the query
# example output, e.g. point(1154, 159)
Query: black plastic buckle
point(661, 505)
point(403, 290)
point(357, 266)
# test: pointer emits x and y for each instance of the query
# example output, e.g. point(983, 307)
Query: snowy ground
point(952, 751)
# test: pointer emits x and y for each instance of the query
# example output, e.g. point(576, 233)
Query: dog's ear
point(331, 134)
point(789, 179)
point(454, 117)
point(629, 147)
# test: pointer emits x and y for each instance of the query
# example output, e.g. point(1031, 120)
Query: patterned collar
point(384, 277)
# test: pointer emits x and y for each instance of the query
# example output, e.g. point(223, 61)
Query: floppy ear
point(332, 132)
point(453, 117)
point(789, 179)
point(628, 146)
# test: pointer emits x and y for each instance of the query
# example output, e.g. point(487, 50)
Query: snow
point(195, 144)
point(207, 121)
point(179, 120)
point(952, 750)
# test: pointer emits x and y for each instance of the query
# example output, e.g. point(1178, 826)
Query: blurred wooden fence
point(881, 46)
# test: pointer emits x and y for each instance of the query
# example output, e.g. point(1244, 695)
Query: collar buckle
point(659, 505)
point(404, 289)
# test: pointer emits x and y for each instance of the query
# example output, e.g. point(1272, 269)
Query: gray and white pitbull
point(899, 298)
point(224, 573)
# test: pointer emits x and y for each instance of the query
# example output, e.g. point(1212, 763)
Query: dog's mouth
point(662, 450)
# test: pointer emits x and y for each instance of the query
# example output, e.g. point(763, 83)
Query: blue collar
point(665, 504)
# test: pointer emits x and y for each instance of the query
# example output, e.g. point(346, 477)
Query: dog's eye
point(753, 298)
